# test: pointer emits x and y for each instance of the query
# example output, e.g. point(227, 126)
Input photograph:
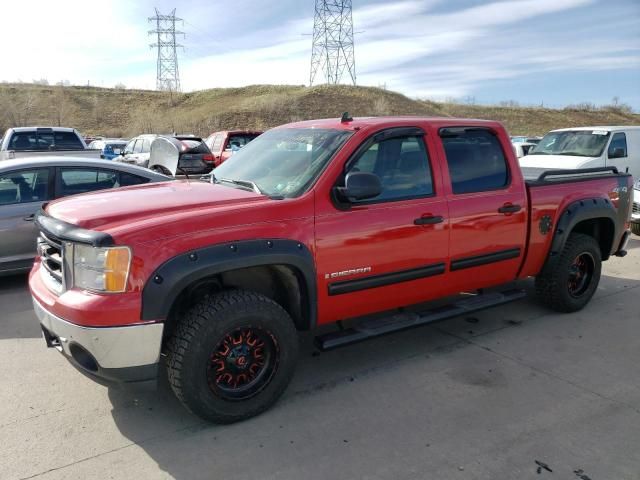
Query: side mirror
point(360, 186)
point(617, 153)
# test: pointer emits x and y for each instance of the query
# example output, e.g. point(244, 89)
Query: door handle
point(29, 218)
point(508, 208)
point(428, 220)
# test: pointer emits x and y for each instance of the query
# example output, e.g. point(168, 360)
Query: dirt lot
point(515, 392)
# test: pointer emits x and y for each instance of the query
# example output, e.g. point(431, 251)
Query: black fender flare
point(171, 278)
point(579, 211)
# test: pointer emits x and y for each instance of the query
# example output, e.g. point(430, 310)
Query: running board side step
point(375, 327)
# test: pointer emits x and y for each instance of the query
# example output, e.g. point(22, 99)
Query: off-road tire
point(552, 284)
point(635, 228)
point(202, 329)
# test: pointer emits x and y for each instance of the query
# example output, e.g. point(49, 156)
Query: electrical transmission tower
point(332, 50)
point(168, 76)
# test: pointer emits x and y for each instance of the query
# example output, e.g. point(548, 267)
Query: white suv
point(137, 150)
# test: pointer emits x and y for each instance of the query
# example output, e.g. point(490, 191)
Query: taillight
point(208, 158)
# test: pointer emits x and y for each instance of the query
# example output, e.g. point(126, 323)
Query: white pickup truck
point(591, 147)
point(22, 142)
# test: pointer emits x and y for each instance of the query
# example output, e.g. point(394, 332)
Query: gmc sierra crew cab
point(313, 223)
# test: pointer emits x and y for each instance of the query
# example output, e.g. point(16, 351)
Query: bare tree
point(62, 104)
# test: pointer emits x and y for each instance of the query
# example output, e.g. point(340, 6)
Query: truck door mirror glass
point(360, 186)
point(617, 153)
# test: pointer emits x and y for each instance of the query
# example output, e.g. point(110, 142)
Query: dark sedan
point(26, 184)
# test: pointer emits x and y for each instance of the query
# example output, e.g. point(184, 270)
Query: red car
point(225, 144)
point(310, 224)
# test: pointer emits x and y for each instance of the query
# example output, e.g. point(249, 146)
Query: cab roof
point(390, 122)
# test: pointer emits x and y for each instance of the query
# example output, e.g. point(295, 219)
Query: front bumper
point(108, 355)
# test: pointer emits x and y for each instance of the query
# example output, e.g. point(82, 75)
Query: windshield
point(283, 162)
point(579, 143)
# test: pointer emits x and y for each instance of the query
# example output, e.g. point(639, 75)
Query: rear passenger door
point(487, 209)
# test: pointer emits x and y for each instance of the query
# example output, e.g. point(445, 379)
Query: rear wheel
point(635, 228)
point(232, 356)
point(568, 281)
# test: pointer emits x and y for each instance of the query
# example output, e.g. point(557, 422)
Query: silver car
point(26, 184)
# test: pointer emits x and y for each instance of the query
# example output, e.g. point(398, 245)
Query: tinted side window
point(619, 140)
point(476, 161)
point(138, 146)
point(402, 164)
point(127, 179)
point(79, 180)
point(24, 187)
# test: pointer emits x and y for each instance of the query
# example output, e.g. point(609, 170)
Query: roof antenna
point(346, 118)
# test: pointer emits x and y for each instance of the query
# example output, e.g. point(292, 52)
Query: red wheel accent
point(242, 363)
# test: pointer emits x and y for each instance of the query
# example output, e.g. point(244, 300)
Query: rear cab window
point(45, 139)
point(475, 160)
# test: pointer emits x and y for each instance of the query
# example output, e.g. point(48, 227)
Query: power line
point(168, 76)
point(333, 47)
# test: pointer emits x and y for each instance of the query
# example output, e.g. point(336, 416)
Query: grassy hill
point(120, 112)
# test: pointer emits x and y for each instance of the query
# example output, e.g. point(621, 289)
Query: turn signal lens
point(116, 269)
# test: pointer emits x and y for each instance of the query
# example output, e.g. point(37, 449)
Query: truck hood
point(557, 161)
point(109, 209)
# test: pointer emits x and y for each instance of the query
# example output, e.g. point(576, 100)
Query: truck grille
point(50, 252)
point(636, 207)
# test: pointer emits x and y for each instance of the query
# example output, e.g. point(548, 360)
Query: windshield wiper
point(247, 184)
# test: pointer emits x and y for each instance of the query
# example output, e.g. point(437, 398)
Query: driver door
point(391, 250)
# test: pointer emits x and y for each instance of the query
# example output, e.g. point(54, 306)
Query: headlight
point(101, 269)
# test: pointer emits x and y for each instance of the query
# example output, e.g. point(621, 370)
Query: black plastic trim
point(478, 260)
point(579, 211)
point(382, 280)
point(172, 277)
point(69, 232)
point(577, 171)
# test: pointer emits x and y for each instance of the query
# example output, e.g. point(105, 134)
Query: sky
point(550, 52)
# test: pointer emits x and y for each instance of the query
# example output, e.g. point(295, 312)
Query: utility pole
point(168, 76)
point(333, 48)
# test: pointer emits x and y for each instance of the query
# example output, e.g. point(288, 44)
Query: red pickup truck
point(312, 223)
point(225, 144)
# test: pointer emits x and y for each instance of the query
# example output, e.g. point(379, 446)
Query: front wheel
point(232, 356)
point(568, 281)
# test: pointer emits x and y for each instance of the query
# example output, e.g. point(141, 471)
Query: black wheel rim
point(580, 274)
point(243, 363)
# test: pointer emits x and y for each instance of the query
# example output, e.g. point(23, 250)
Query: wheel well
point(283, 284)
point(602, 229)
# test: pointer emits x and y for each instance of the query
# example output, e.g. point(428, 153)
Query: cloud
point(419, 47)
